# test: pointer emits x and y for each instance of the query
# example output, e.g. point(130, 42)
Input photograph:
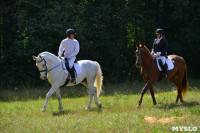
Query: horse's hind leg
point(59, 98)
point(152, 94)
point(96, 98)
point(90, 101)
point(91, 96)
point(93, 91)
point(179, 95)
point(179, 91)
point(178, 84)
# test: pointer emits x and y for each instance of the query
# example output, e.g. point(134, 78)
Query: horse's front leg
point(143, 92)
point(152, 94)
point(59, 98)
point(51, 91)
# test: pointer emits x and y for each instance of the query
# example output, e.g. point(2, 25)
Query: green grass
point(118, 114)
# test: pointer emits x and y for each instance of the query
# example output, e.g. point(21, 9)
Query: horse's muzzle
point(43, 78)
point(137, 64)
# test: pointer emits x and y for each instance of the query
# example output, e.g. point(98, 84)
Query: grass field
point(20, 110)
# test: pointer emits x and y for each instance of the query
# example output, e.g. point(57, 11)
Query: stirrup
point(164, 75)
point(73, 80)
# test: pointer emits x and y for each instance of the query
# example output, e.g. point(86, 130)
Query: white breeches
point(71, 62)
point(163, 58)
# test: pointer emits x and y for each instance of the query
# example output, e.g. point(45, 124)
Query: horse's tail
point(99, 80)
point(184, 82)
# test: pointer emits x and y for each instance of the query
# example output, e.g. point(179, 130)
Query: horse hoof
point(138, 106)
point(44, 110)
point(182, 101)
point(87, 108)
point(100, 105)
point(60, 108)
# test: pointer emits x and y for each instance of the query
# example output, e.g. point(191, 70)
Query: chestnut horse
point(151, 74)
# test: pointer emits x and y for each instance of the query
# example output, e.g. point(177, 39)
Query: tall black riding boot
point(165, 75)
point(71, 71)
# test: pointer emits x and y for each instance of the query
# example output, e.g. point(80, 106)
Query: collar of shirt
point(158, 40)
point(70, 38)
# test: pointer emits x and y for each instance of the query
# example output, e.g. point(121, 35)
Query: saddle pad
point(77, 67)
point(169, 64)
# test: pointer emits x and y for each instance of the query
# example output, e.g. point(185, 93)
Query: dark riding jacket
point(162, 46)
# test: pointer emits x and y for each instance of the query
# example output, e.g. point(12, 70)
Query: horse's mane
point(48, 54)
point(146, 49)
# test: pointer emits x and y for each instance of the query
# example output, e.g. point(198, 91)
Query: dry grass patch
point(149, 119)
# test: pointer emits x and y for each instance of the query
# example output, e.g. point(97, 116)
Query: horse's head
point(140, 54)
point(41, 65)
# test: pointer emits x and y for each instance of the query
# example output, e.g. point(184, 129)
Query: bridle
point(46, 66)
point(138, 56)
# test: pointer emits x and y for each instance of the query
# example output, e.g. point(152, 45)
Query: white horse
point(50, 67)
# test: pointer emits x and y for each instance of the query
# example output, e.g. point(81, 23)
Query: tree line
point(107, 31)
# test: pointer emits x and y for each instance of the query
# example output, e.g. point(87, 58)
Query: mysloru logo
point(184, 128)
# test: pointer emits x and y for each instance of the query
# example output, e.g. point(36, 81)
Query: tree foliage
point(107, 32)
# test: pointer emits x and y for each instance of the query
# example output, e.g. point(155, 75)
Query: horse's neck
point(51, 61)
point(147, 60)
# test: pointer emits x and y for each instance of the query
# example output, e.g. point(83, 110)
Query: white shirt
point(158, 40)
point(70, 46)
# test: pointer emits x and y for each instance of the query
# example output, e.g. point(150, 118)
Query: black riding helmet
point(70, 31)
point(159, 31)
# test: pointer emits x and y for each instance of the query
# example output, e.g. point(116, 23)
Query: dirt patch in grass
point(149, 119)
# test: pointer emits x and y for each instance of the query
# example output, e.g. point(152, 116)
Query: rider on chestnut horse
point(151, 74)
point(160, 47)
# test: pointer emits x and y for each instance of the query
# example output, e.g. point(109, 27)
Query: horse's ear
point(142, 44)
point(137, 45)
point(34, 57)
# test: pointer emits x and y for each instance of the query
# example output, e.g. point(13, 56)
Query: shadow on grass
point(64, 112)
point(168, 106)
point(99, 110)
point(68, 111)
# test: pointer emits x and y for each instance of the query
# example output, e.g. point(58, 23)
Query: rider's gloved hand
point(159, 53)
point(69, 56)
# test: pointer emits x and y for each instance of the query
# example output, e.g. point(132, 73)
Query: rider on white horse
point(50, 67)
point(71, 48)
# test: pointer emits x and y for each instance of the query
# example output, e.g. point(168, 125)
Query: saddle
point(77, 67)
point(169, 64)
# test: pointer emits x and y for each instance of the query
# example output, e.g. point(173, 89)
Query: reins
point(46, 66)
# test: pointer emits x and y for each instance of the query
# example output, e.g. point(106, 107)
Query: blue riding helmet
point(70, 31)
